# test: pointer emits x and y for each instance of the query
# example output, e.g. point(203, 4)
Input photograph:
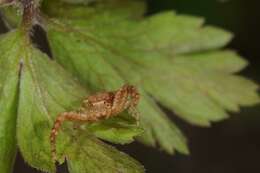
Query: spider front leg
point(120, 100)
point(55, 130)
point(127, 97)
point(133, 102)
point(66, 116)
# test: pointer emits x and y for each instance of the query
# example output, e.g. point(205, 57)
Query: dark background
point(231, 146)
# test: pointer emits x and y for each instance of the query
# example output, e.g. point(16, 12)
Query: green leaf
point(89, 155)
point(9, 75)
point(122, 9)
point(119, 129)
point(73, 58)
point(159, 129)
point(171, 58)
point(200, 92)
point(46, 89)
point(170, 34)
point(90, 73)
point(11, 16)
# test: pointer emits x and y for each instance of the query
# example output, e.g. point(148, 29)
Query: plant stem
point(30, 12)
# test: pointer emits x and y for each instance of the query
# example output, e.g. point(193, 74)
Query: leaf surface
point(28, 114)
point(9, 79)
point(171, 58)
point(88, 155)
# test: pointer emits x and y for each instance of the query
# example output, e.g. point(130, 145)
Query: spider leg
point(120, 100)
point(134, 94)
point(132, 110)
point(131, 104)
point(66, 116)
point(71, 116)
point(55, 130)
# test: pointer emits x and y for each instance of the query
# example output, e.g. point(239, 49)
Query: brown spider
point(98, 107)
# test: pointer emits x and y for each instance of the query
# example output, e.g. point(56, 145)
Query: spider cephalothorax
point(98, 107)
